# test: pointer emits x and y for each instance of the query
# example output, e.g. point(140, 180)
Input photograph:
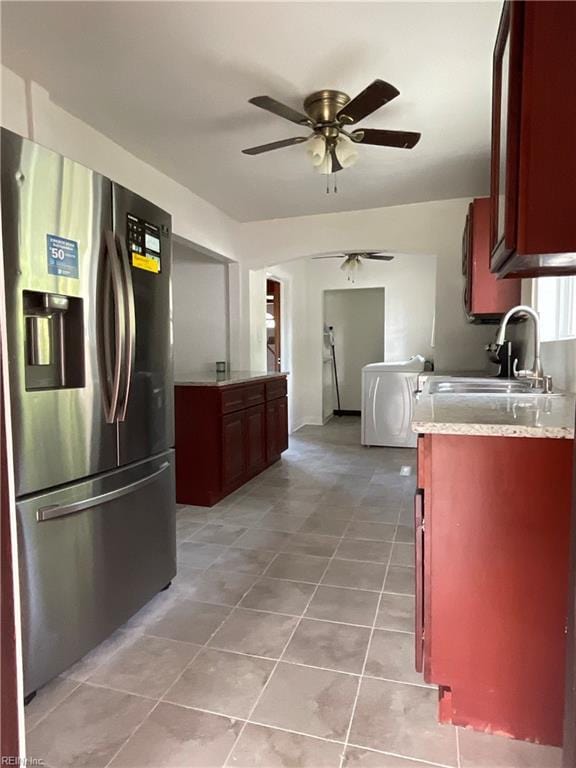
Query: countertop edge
point(492, 430)
point(233, 382)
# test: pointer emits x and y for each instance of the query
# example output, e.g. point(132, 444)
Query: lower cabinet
point(277, 428)
point(255, 420)
point(234, 462)
point(226, 435)
point(492, 522)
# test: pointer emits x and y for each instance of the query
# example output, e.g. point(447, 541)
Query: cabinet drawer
point(275, 389)
point(253, 395)
point(232, 399)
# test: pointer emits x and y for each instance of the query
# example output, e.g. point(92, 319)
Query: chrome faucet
point(535, 374)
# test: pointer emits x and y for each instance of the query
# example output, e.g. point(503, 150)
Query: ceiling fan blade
point(274, 145)
point(399, 139)
point(369, 100)
point(336, 256)
point(378, 257)
point(277, 108)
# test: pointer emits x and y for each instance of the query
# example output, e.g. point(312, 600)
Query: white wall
point(558, 357)
point(429, 229)
point(28, 110)
point(200, 300)
point(357, 317)
point(424, 314)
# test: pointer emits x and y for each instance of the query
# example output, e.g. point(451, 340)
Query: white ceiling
point(170, 82)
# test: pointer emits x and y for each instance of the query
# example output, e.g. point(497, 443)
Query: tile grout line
point(51, 709)
point(216, 518)
point(362, 675)
point(279, 660)
point(162, 698)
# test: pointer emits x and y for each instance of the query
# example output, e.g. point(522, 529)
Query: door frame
point(275, 285)
point(569, 750)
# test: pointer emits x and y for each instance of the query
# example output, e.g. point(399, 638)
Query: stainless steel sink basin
point(454, 385)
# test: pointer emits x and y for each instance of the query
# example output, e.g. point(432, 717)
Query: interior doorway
point(353, 337)
point(273, 325)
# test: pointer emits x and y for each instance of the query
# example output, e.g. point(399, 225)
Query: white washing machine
point(387, 399)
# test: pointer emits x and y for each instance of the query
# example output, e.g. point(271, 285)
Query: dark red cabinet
point(225, 435)
point(492, 533)
point(277, 428)
point(234, 462)
point(533, 209)
point(486, 298)
point(255, 439)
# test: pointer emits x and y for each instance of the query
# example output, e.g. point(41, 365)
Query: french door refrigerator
point(89, 327)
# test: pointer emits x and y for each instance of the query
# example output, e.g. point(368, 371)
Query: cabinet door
point(255, 439)
point(419, 607)
point(272, 451)
point(466, 262)
point(233, 448)
point(487, 297)
point(282, 424)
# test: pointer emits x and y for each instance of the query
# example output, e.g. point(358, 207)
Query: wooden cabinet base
point(225, 436)
point(495, 580)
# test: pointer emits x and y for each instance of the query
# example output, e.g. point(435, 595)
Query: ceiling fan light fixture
point(346, 152)
point(316, 150)
point(326, 167)
point(350, 267)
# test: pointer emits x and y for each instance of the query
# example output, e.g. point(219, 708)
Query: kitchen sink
point(454, 385)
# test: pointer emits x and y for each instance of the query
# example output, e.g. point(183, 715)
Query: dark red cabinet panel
point(255, 439)
point(486, 298)
point(533, 210)
point(495, 582)
point(272, 442)
point(234, 463)
point(277, 428)
point(226, 435)
point(282, 423)
point(419, 579)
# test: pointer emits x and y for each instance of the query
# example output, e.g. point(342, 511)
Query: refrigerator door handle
point(113, 276)
point(61, 510)
point(130, 326)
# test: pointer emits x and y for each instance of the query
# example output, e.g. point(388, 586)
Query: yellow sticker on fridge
point(149, 263)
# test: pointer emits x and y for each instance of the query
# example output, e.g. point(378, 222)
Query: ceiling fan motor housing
point(323, 106)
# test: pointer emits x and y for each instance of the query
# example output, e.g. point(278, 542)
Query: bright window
point(556, 303)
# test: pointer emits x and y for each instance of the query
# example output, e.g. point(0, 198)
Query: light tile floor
point(285, 640)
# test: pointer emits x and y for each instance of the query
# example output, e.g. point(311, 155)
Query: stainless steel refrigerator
point(89, 326)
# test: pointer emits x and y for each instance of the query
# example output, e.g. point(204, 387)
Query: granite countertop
point(213, 379)
point(498, 415)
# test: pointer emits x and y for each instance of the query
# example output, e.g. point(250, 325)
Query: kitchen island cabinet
point(227, 431)
point(492, 515)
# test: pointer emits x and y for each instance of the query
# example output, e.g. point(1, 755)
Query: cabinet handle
point(419, 550)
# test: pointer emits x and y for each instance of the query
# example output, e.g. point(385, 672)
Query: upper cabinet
point(533, 204)
point(486, 298)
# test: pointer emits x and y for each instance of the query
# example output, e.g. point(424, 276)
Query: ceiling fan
point(329, 115)
point(353, 259)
